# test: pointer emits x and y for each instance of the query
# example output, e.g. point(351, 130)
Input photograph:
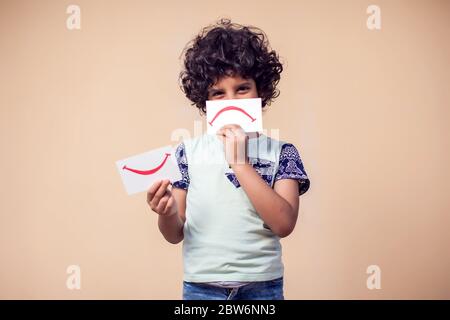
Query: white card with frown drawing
point(140, 171)
point(245, 112)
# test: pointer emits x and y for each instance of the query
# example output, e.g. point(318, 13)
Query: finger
point(221, 138)
point(236, 127)
point(230, 126)
point(154, 187)
point(162, 204)
point(168, 192)
point(169, 206)
point(238, 131)
point(221, 134)
point(228, 133)
point(160, 193)
point(151, 191)
point(223, 129)
point(241, 145)
point(163, 189)
point(226, 127)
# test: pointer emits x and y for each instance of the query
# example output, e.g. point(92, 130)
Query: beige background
point(368, 110)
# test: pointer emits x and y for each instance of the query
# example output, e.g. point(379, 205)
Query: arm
point(172, 226)
point(169, 204)
point(278, 207)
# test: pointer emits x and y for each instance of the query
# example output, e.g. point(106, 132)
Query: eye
point(243, 88)
point(217, 93)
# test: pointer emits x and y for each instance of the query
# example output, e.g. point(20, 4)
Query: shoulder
point(273, 145)
point(289, 153)
point(289, 150)
point(291, 167)
point(196, 141)
point(180, 147)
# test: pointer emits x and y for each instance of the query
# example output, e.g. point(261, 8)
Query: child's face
point(233, 87)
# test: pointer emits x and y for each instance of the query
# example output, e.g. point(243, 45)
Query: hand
point(235, 142)
point(160, 198)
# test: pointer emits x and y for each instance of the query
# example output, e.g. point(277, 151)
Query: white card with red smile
point(140, 171)
point(245, 112)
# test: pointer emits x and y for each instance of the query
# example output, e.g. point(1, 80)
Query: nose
point(230, 96)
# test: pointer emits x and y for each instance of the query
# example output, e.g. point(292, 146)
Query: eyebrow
point(214, 90)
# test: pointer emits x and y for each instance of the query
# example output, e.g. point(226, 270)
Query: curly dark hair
point(227, 48)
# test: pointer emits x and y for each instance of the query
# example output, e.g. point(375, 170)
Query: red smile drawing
point(151, 171)
point(228, 109)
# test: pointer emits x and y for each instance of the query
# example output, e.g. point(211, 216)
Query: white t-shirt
point(225, 239)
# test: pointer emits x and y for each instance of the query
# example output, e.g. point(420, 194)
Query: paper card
point(245, 112)
point(140, 171)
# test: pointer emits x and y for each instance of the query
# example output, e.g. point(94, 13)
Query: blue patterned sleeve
point(291, 167)
point(180, 154)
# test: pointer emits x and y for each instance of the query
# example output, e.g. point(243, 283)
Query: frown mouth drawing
point(228, 109)
point(151, 171)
